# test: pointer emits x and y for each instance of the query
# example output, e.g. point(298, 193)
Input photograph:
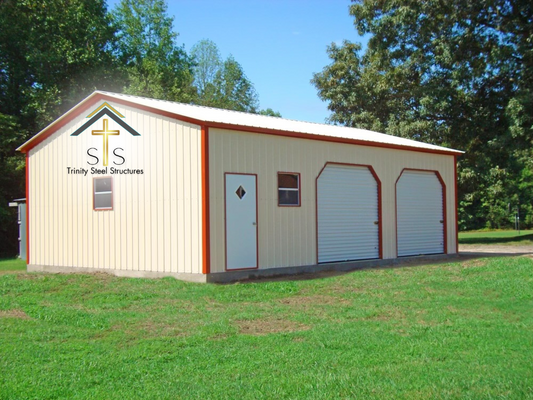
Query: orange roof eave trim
point(96, 97)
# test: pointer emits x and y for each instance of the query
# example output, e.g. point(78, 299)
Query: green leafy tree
point(208, 63)
point(233, 89)
point(455, 73)
point(52, 54)
point(270, 112)
point(146, 44)
point(11, 183)
point(221, 84)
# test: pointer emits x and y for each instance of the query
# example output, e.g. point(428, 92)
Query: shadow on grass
point(496, 240)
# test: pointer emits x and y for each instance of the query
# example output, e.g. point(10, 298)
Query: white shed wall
point(287, 235)
point(155, 224)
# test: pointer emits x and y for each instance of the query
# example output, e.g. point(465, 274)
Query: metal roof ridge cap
point(340, 127)
point(224, 110)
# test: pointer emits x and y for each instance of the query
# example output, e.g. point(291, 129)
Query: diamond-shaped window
point(240, 192)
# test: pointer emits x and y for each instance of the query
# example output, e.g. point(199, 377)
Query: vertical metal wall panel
point(420, 214)
point(287, 236)
point(156, 216)
point(347, 214)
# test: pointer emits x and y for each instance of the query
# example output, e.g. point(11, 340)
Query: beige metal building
point(142, 187)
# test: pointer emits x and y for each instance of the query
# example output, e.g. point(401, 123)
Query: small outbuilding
point(21, 220)
point(142, 187)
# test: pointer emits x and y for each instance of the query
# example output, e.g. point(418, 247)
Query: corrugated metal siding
point(155, 224)
point(287, 235)
point(347, 211)
point(420, 212)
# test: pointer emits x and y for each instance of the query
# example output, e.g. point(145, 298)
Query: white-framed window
point(288, 189)
point(103, 193)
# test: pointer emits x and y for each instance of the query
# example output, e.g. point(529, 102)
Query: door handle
point(441, 221)
point(254, 223)
point(376, 222)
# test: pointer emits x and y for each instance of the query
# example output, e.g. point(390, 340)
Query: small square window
point(103, 193)
point(288, 189)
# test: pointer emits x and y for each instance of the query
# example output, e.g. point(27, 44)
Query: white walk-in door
point(241, 221)
point(419, 208)
point(347, 205)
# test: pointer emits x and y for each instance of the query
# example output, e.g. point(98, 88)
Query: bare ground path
point(491, 250)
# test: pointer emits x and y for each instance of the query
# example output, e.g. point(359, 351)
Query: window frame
point(298, 189)
point(94, 193)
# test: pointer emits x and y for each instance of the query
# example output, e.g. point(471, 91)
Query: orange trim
point(380, 219)
point(226, 226)
point(444, 212)
point(206, 235)
point(61, 122)
point(73, 113)
point(94, 194)
point(299, 189)
point(27, 208)
point(456, 206)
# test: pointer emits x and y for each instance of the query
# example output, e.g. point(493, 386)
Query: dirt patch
point(258, 327)
point(475, 263)
point(389, 314)
point(19, 314)
point(15, 272)
point(492, 249)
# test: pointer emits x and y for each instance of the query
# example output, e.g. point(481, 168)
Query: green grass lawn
point(456, 330)
point(12, 265)
point(497, 237)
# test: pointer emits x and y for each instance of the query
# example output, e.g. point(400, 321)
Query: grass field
point(497, 237)
point(457, 330)
point(12, 265)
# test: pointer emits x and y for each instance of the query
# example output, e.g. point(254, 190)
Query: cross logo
point(105, 133)
point(105, 110)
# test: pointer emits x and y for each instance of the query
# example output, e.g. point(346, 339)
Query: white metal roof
point(216, 115)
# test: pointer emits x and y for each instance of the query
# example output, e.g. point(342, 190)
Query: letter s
point(118, 155)
point(91, 155)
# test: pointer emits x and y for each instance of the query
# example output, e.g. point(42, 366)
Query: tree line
point(54, 53)
point(453, 73)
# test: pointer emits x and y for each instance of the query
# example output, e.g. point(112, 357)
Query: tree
point(208, 63)
point(146, 44)
point(221, 84)
point(52, 54)
point(454, 73)
point(270, 112)
point(233, 89)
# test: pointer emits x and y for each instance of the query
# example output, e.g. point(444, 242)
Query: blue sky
point(280, 44)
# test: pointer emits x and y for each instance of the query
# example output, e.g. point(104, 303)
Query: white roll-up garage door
point(419, 208)
point(347, 211)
